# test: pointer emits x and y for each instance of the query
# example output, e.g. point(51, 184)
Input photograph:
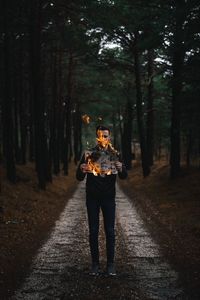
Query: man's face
point(103, 138)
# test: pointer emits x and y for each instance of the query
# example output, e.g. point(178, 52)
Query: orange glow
point(94, 167)
point(86, 119)
point(100, 163)
point(104, 142)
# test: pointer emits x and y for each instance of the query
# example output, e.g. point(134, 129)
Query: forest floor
point(27, 216)
point(170, 209)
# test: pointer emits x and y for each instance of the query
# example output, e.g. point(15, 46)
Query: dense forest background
point(66, 66)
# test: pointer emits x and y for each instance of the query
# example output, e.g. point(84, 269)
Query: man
point(101, 164)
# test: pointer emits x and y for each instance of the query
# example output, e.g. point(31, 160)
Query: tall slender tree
point(7, 105)
point(177, 67)
point(36, 92)
point(150, 109)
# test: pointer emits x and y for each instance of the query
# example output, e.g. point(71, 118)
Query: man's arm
point(120, 166)
point(122, 172)
point(80, 175)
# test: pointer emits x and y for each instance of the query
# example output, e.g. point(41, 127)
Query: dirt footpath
point(157, 240)
point(60, 268)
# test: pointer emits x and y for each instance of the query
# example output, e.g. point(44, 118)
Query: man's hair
point(101, 127)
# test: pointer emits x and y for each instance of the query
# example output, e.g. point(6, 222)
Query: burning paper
point(101, 162)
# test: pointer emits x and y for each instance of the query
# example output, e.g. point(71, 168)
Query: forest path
point(60, 269)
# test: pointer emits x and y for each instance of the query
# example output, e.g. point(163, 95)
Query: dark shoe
point(94, 269)
point(111, 269)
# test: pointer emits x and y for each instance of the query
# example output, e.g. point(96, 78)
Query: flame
point(104, 142)
point(94, 167)
point(86, 119)
point(98, 168)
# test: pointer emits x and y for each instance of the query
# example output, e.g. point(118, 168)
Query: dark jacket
point(98, 185)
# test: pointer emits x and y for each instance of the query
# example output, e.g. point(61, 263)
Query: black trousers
point(107, 205)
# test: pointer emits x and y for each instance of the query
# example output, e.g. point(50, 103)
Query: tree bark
point(22, 107)
point(67, 144)
point(55, 119)
point(144, 157)
point(189, 147)
point(16, 124)
point(127, 136)
point(77, 124)
point(177, 67)
point(7, 112)
point(150, 110)
point(36, 93)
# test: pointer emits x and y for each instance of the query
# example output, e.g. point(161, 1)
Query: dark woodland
point(137, 71)
point(134, 66)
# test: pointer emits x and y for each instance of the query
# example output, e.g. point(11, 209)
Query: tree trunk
point(22, 105)
point(61, 115)
point(189, 147)
point(145, 163)
point(23, 130)
point(177, 67)
point(120, 127)
point(16, 123)
point(55, 119)
point(114, 134)
point(150, 110)
point(67, 145)
point(7, 116)
point(36, 92)
point(77, 133)
point(31, 132)
point(127, 136)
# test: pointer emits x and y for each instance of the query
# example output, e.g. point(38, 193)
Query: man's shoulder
point(92, 149)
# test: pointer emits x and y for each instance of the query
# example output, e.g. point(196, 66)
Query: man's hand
point(118, 166)
point(84, 168)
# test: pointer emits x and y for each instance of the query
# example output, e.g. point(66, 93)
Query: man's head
point(102, 128)
point(103, 136)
